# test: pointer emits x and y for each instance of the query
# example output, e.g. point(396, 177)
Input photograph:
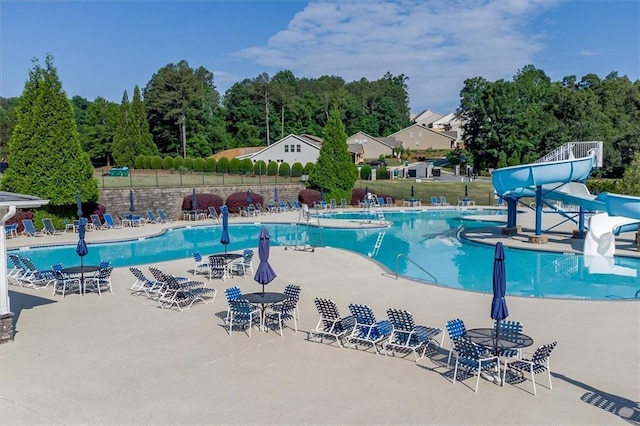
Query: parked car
point(377, 163)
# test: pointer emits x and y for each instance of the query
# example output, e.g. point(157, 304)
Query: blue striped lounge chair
point(407, 336)
point(331, 325)
point(367, 330)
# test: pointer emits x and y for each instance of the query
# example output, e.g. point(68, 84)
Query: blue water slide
point(527, 180)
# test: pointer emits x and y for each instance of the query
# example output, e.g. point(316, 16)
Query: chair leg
point(533, 379)
point(549, 374)
point(455, 370)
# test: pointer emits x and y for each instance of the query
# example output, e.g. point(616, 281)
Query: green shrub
point(167, 163)
point(260, 168)
point(296, 169)
point(246, 166)
point(177, 163)
point(234, 166)
point(188, 163)
point(138, 163)
point(146, 162)
point(210, 164)
point(272, 168)
point(198, 164)
point(308, 168)
point(223, 165)
point(156, 162)
point(284, 170)
point(365, 172)
point(382, 173)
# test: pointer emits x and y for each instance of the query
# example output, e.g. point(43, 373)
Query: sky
point(102, 48)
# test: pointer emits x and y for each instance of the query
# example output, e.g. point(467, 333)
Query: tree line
point(180, 113)
point(515, 122)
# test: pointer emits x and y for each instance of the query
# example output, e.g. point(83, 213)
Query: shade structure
point(79, 205)
point(249, 200)
point(224, 238)
point(264, 274)
point(275, 193)
point(499, 309)
point(132, 207)
point(194, 200)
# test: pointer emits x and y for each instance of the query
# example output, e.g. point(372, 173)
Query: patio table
point(81, 270)
point(265, 300)
point(486, 337)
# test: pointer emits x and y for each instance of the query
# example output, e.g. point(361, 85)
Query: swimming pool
point(429, 238)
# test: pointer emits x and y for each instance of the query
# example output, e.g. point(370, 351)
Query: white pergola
point(9, 202)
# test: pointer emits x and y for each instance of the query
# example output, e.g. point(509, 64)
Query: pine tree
point(334, 171)
point(123, 149)
point(45, 155)
point(144, 144)
point(630, 184)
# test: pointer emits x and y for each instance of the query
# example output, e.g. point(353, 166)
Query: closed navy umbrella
point(224, 238)
point(264, 274)
point(249, 200)
point(81, 247)
point(499, 310)
point(275, 193)
point(412, 193)
point(194, 200)
point(132, 207)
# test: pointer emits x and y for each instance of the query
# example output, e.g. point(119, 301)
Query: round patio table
point(75, 270)
point(265, 300)
point(486, 337)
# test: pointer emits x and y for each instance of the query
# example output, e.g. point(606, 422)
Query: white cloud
point(437, 44)
point(586, 52)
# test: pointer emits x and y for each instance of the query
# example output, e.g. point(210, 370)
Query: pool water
point(428, 238)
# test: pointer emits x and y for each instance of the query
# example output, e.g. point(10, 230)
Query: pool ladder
point(435, 280)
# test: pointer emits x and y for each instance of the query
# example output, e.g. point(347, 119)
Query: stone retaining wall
point(116, 200)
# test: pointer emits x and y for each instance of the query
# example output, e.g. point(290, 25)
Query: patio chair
point(213, 214)
point(380, 201)
point(292, 291)
point(183, 294)
point(472, 357)
point(281, 312)
point(331, 324)
point(272, 208)
point(343, 203)
point(11, 231)
point(96, 223)
point(443, 201)
point(389, 201)
point(151, 217)
point(109, 222)
point(49, 229)
point(100, 281)
point(69, 225)
point(245, 265)
point(217, 267)
point(199, 263)
point(18, 269)
point(407, 336)
point(243, 313)
point(34, 277)
point(333, 205)
point(538, 363)
point(508, 328)
point(144, 285)
point(434, 201)
point(296, 205)
point(162, 216)
point(283, 206)
point(366, 329)
point(455, 328)
point(64, 284)
point(260, 210)
point(231, 293)
point(30, 229)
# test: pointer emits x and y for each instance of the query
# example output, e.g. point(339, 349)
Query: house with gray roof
point(371, 148)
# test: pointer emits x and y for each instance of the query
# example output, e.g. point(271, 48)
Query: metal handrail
point(435, 280)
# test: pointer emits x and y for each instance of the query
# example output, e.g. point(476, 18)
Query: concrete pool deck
point(120, 359)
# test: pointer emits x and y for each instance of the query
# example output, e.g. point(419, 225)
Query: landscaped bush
point(204, 201)
point(284, 170)
point(309, 197)
point(259, 168)
point(223, 165)
point(210, 164)
point(198, 164)
point(188, 163)
point(308, 168)
point(138, 163)
point(167, 163)
point(156, 162)
point(237, 200)
point(358, 195)
point(382, 173)
point(234, 166)
point(296, 169)
point(177, 163)
point(365, 172)
point(146, 162)
point(246, 166)
point(272, 168)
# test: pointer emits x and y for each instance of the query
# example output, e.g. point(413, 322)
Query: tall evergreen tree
point(45, 155)
point(123, 149)
point(143, 141)
point(334, 172)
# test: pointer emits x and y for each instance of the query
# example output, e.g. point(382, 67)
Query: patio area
point(120, 359)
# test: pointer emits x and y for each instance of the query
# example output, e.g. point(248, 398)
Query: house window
point(297, 148)
point(410, 134)
point(286, 148)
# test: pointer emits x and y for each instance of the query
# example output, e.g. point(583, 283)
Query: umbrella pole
point(82, 275)
point(263, 289)
point(495, 346)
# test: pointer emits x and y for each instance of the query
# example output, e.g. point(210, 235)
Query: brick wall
point(116, 200)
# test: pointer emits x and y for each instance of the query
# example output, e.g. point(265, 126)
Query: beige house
point(418, 137)
point(371, 148)
point(425, 118)
point(290, 149)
